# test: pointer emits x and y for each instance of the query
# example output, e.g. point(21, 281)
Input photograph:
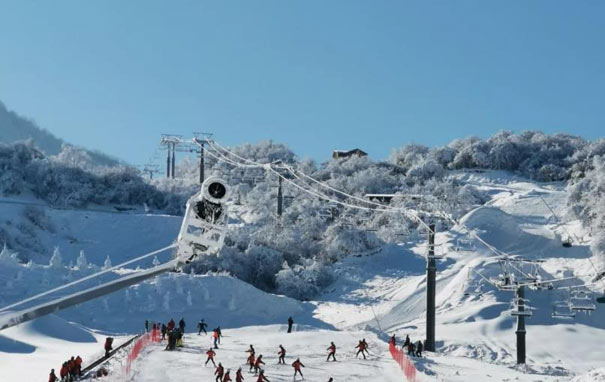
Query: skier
point(407, 342)
point(332, 352)
point(164, 329)
point(261, 377)
point(238, 375)
point(419, 349)
point(108, 347)
point(411, 348)
point(71, 367)
point(365, 347)
point(170, 325)
point(63, 372)
point(282, 355)
point(219, 372)
point(290, 323)
point(215, 337)
point(179, 338)
point(297, 365)
point(78, 366)
point(251, 349)
point(202, 327)
point(220, 334)
point(362, 348)
point(257, 363)
point(251, 361)
point(146, 326)
point(182, 325)
point(52, 377)
point(210, 353)
point(227, 377)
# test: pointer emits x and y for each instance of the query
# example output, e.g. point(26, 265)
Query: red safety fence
point(408, 368)
point(140, 344)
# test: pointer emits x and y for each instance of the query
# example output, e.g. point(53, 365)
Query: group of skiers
point(256, 365)
point(413, 349)
point(70, 370)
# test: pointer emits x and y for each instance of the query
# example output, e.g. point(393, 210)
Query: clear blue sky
point(316, 75)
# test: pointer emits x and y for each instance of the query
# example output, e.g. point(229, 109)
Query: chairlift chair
point(464, 245)
point(580, 301)
point(561, 310)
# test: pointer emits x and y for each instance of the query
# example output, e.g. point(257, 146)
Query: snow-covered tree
point(107, 263)
point(81, 261)
point(56, 260)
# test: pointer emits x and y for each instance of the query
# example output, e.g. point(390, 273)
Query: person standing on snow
point(227, 377)
point(170, 325)
point(219, 372)
point(361, 350)
point(282, 355)
point(297, 365)
point(411, 349)
point(210, 353)
point(52, 376)
point(182, 325)
point(215, 337)
point(259, 361)
point(290, 323)
point(164, 329)
point(220, 334)
point(419, 349)
point(201, 326)
point(251, 361)
point(108, 347)
point(332, 352)
point(406, 343)
point(238, 375)
point(261, 377)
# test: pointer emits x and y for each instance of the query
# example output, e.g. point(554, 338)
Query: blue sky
point(316, 75)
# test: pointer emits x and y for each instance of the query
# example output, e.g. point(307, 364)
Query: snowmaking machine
point(202, 233)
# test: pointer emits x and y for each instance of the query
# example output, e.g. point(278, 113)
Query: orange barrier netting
point(146, 339)
point(406, 365)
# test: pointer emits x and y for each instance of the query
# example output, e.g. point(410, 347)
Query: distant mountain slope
point(14, 127)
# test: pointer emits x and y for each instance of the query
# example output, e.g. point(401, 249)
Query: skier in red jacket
point(64, 371)
point(251, 361)
point(210, 353)
point(332, 352)
point(238, 375)
point(261, 377)
point(282, 355)
point(219, 372)
point(52, 377)
point(297, 365)
point(227, 377)
point(362, 347)
point(259, 361)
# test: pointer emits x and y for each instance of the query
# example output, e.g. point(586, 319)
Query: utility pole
point(151, 169)
point(171, 142)
point(521, 325)
point(200, 142)
point(431, 273)
point(280, 197)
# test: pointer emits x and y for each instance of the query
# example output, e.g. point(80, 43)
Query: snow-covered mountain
point(348, 275)
point(14, 127)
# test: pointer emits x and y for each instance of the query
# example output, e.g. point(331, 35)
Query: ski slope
point(372, 297)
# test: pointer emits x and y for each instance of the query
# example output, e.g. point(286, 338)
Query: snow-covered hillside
point(377, 294)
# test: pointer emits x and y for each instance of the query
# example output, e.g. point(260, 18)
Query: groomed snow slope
point(385, 293)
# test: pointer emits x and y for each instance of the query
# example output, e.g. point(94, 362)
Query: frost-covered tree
point(81, 261)
point(107, 263)
point(56, 260)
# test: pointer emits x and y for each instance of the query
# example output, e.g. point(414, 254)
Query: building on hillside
point(337, 154)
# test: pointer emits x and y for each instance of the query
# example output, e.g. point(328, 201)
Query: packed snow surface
point(373, 296)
